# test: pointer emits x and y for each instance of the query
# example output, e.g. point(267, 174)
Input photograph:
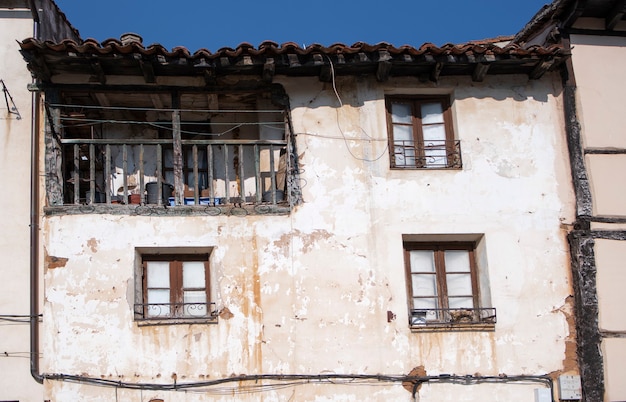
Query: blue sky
point(214, 24)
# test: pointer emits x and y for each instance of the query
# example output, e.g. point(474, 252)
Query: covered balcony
point(160, 153)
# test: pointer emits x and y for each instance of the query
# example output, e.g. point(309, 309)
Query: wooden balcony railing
point(197, 173)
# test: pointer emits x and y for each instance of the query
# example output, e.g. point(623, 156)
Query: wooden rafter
point(615, 15)
point(540, 69)
point(148, 71)
point(436, 71)
point(269, 69)
point(98, 72)
point(480, 71)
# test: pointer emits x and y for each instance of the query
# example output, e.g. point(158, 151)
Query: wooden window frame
point(478, 316)
point(176, 290)
point(452, 147)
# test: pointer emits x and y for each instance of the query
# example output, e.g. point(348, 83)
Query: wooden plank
point(480, 71)
point(436, 71)
point(179, 184)
point(92, 173)
point(98, 72)
point(102, 99)
point(212, 102)
point(196, 187)
point(159, 173)
point(326, 74)
point(142, 184)
point(137, 141)
point(293, 60)
point(107, 172)
point(76, 174)
point(383, 71)
point(257, 172)
point(540, 69)
point(242, 190)
point(272, 175)
point(209, 77)
point(209, 158)
point(53, 154)
point(125, 171)
point(269, 69)
point(148, 71)
point(615, 15)
point(226, 180)
point(156, 101)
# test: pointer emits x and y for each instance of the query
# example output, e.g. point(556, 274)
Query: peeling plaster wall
point(310, 293)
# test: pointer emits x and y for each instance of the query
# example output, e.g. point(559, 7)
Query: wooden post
point(54, 166)
point(179, 184)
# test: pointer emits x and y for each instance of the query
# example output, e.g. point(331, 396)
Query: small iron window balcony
point(431, 154)
point(205, 312)
point(469, 318)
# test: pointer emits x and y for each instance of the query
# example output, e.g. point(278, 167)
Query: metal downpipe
point(34, 218)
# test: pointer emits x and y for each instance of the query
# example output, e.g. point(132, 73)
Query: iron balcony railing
point(131, 171)
point(425, 155)
point(452, 316)
point(177, 311)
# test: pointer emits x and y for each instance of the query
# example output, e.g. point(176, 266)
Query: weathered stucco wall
point(310, 293)
point(16, 382)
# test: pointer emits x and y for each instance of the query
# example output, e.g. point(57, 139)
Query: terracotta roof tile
point(291, 59)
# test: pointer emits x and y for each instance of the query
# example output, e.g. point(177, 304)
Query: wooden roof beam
point(436, 71)
point(540, 69)
point(615, 15)
point(326, 74)
point(480, 71)
point(384, 65)
point(269, 69)
point(209, 77)
point(383, 71)
point(98, 73)
point(46, 75)
point(148, 71)
point(102, 99)
point(212, 102)
point(156, 101)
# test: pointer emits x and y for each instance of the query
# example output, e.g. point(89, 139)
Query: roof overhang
point(55, 62)
point(561, 16)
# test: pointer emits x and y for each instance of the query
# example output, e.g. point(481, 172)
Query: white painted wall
point(598, 64)
point(16, 382)
point(309, 292)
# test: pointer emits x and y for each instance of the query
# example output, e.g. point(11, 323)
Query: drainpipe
point(34, 219)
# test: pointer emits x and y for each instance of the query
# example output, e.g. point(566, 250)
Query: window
point(175, 287)
point(443, 285)
point(420, 133)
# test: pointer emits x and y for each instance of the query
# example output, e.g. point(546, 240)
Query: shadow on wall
point(356, 91)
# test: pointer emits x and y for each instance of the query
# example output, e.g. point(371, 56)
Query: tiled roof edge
point(269, 48)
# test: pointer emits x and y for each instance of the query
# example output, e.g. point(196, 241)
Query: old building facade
point(349, 223)
point(281, 223)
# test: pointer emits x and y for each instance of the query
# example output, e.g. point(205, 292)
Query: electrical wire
point(18, 318)
point(289, 380)
point(21, 355)
point(383, 153)
point(126, 108)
